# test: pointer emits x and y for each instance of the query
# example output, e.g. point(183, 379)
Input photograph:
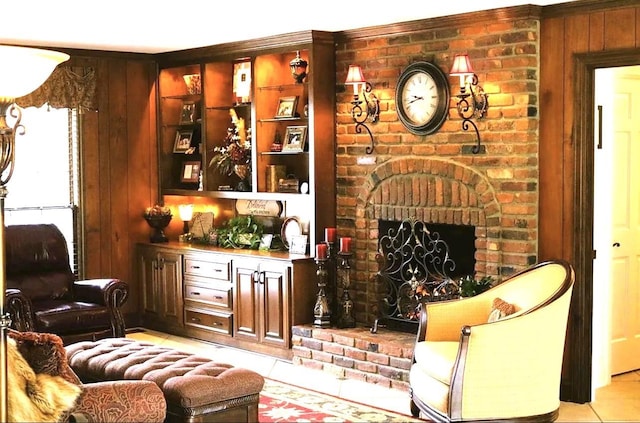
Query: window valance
point(67, 87)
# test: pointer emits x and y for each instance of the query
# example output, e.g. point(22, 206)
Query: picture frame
point(182, 142)
point(295, 139)
point(188, 113)
point(287, 107)
point(190, 171)
point(298, 244)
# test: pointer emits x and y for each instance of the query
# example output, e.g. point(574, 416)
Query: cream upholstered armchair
point(498, 355)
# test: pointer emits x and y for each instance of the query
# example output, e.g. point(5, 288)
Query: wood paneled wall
point(119, 168)
point(575, 39)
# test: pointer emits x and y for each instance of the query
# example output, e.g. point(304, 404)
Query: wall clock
point(422, 98)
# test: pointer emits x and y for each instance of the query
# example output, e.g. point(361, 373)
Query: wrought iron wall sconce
point(365, 109)
point(472, 102)
point(298, 68)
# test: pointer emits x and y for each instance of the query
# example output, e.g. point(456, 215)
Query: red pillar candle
point(345, 245)
point(330, 234)
point(321, 251)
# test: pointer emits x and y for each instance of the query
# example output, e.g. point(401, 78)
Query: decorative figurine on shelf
point(298, 68)
point(234, 157)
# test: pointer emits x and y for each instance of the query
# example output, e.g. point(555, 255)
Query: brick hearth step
point(383, 358)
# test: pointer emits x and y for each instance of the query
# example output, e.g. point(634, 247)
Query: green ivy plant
point(470, 286)
point(241, 232)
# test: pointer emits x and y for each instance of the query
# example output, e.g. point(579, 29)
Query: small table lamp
point(186, 213)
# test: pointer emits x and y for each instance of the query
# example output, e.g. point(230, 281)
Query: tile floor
point(617, 402)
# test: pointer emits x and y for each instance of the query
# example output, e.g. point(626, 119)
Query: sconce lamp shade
point(25, 69)
point(355, 78)
point(461, 65)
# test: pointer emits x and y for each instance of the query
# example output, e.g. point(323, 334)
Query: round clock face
point(422, 98)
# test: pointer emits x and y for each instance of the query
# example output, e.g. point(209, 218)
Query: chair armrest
point(120, 401)
point(20, 310)
point(109, 292)
point(443, 320)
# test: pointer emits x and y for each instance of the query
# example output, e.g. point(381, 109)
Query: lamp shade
point(461, 65)
point(355, 76)
point(24, 69)
point(186, 212)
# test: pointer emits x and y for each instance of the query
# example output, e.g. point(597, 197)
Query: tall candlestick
point(345, 245)
point(321, 251)
point(330, 234)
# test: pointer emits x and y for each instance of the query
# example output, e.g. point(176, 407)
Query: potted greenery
point(241, 232)
point(470, 286)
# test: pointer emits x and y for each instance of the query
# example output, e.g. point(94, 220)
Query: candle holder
point(332, 283)
point(321, 310)
point(346, 317)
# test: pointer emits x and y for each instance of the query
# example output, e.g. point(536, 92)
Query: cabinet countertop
point(186, 247)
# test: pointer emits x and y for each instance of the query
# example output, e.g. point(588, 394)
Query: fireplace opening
point(419, 262)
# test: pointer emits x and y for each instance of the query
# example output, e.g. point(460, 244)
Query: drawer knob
point(195, 319)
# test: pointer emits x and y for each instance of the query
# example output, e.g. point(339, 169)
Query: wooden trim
point(450, 21)
point(579, 337)
point(584, 7)
point(237, 49)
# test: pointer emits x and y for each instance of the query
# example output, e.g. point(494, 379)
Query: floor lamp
point(23, 70)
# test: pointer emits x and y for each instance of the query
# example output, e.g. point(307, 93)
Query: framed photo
point(295, 138)
point(190, 172)
point(287, 107)
point(188, 113)
point(298, 244)
point(183, 140)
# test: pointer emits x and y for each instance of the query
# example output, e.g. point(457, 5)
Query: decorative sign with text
point(271, 208)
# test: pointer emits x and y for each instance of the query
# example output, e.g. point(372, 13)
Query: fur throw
point(35, 397)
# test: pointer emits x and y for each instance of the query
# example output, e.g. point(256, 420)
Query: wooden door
point(246, 300)
point(625, 275)
point(274, 287)
point(170, 288)
point(147, 268)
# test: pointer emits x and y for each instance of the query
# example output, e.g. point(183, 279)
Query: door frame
point(579, 336)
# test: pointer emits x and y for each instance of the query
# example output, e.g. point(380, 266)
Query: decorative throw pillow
point(500, 309)
point(35, 397)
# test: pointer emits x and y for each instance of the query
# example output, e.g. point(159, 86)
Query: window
point(44, 187)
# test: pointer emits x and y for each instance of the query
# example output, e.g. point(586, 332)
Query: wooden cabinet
point(160, 275)
point(208, 299)
point(262, 302)
point(243, 298)
point(253, 78)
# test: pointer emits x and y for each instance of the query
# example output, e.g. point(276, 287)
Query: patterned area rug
point(285, 403)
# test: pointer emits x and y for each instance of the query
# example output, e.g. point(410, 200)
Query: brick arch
point(433, 190)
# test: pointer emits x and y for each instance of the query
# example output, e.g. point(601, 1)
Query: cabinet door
point(170, 287)
point(246, 303)
point(148, 265)
point(274, 286)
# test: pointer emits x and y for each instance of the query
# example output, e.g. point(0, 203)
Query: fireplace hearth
point(419, 262)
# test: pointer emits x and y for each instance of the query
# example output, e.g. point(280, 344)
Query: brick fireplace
point(430, 190)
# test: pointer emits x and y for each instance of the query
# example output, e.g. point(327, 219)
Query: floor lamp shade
point(22, 70)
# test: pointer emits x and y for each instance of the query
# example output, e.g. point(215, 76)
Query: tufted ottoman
point(196, 388)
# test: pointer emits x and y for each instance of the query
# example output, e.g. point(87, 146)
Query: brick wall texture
point(436, 178)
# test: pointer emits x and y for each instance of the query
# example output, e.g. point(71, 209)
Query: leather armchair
point(470, 367)
point(116, 401)
point(43, 294)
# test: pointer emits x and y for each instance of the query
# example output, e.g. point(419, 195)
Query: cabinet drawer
point(209, 269)
point(217, 296)
point(216, 322)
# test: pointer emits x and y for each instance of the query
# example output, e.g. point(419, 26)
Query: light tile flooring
point(617, 402)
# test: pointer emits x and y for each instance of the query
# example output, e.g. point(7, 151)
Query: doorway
point(616, 323)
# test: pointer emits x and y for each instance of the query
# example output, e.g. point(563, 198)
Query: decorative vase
point(158, 223)
point(242, 171)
